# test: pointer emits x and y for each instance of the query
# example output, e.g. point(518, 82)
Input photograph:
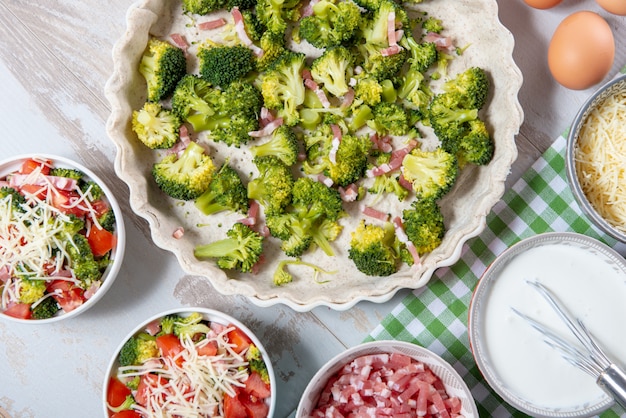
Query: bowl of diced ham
point(387, 378)
point(62, 238)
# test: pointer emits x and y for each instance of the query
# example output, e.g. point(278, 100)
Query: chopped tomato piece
point(100, 207)
point(116, 392)
point(62, 200)
point(128, 413)
point(100, 240)
point(30, 165)
point(255, 408)
point(170, 346)
point(66, 294)
point(240, 340)
point(146, 383)
point(208, 349)
point(19, 310)
point(233, 408)
point(33, 190)
point(256, 387)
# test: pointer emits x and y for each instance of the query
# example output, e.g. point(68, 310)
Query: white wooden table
point(55, 57)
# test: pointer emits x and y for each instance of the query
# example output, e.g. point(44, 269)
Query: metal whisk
point(591, 358)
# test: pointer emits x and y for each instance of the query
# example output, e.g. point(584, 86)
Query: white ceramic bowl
point(589, 279)
point(469, 22)
point(12, 164)
point(208, 315)
point(454, 384)
point(618, 85)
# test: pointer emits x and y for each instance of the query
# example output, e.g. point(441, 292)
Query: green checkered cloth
point(435, 316)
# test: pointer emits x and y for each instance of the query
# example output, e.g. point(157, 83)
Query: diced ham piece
point(349, 193)
point(268, 129)
point(335, 142)
point(212, 24)
point(348, 98)
point(178, 232)
point(327, 181)
point(391, 28)
point(315, 88)
point(241, 32)
point(443, 43)
point(366, 388)
point(59, 183)
point(375, 213)
point(180, 41)
point(392, 50)
point(181, 145)
point(308, 9)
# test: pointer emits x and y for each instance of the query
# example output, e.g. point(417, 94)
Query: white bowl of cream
point(589, 278)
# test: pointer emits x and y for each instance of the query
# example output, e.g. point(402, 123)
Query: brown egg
point(542, 4)
point(581, 51)
point(617, 7)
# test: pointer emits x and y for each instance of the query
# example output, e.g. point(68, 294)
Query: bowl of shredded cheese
point(595, 155)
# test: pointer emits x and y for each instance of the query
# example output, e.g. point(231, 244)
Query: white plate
point(468, 22)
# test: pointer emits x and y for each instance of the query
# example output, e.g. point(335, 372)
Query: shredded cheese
point(32, 240)
point(600, 159)
point(195, 386)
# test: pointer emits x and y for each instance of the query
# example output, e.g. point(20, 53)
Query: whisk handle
point(613, 382)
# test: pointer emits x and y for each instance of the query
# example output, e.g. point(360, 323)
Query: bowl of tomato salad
point(387, 379)
point(62, 238)
point(190, 362)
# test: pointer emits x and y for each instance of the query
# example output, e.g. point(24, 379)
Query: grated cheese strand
point(600, 159)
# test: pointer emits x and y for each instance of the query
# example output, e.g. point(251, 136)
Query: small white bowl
point(208, 315)
point(618, 85)
point(589, 279)
point(11, 165)
point(454, 384)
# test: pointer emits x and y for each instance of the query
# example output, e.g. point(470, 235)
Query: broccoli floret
point(476, 145)
point(167, 324)
point(272, 188)
point(107, 220)
point(432, 24)
point(423, 224)
point(241, 249)
point(350, 161)
point(449, 119)
point(243, 5)
point(88, 271)
point(12, 198)
point(423, 55)
point(378, 66)
point(162, 65)
point(91, 189)
point(273, 46)
point(70, 173)
point(185, 177)
point(372, 249)
point(283, 144)
point(226, 192)
point(254, 28)
point(190, 325)
point(82, 261)
point(31, 290)
point(432, 173)
point(194, 100)
point(390, 118)
point(331, 24)
point(369, 5)
point(274, 14)
point(47, 308)
point(333, 69)
point(138, 349)
point(73, 225)
point(229, 114)
point(312, 218)
point(220, 65)
point(282, 86)
point(155, 126)
point(374, 27)
point(202, 7)
point(282, 276)
point(368, 91)
point(415, 91)
point(254, 357)
point(472, 85)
